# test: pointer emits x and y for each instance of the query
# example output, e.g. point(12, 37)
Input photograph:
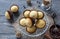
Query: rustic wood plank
point(6, 30)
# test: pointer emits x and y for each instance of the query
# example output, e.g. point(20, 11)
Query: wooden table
point(6, 30)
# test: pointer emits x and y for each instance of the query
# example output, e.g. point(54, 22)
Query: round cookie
point(26, 13)
point(14, 8)
point(8, 15)
point(28, 22)
point(22, 22)
point(33, 14)
point(40, 23)
point(40, 15)
point(31, 29)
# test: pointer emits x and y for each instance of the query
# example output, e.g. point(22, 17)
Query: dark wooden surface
point(6, 30)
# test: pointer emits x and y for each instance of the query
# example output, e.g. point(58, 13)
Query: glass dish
point(38, 32)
